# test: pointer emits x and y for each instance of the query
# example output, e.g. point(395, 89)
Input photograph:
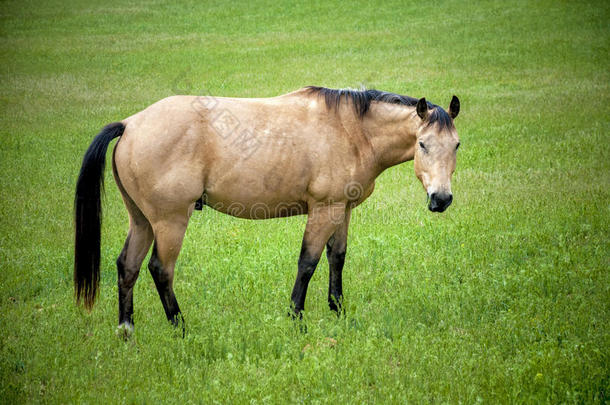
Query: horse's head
point(436, 152)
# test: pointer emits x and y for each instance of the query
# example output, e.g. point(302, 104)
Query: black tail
point(88, 215)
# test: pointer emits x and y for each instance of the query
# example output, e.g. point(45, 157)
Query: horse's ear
point(454, 107)
point(422, 108)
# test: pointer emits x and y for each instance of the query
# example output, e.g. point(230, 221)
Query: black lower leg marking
point(307, 266)
point(165, 290)
point(126, 278)
point(336, 259)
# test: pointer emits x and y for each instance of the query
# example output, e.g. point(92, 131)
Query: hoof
point(179, 324)
point(338, 310)
point(297, 318)
point(124, 331)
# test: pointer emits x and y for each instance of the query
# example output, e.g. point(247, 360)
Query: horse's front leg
point(322, 222)
point(335, 253)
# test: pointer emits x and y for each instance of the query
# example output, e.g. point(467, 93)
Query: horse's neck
point(391, 130)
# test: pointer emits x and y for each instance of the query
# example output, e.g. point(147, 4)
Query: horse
point(315, 151)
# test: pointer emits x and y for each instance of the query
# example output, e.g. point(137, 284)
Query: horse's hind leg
point(168, 241)
point(137, 244)
point(128, 264)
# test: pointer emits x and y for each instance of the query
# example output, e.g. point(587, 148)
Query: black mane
point(361, 100)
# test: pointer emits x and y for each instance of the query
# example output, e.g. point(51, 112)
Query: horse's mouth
point(435, 208)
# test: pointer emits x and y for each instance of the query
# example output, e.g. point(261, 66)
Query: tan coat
point(270, 157)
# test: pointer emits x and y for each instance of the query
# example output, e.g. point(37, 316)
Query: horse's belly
point(254, 208)
point(257, 188)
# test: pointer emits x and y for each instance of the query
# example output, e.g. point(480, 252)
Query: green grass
point(504, 298)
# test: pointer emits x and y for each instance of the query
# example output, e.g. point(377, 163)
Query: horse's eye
point(457, 146)
point(423, 147)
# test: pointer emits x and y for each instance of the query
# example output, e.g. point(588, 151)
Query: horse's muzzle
point(439, 201)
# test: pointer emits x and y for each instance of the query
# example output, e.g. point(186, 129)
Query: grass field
point(505, 298)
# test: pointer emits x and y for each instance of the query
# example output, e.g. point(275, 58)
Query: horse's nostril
point(440, 201)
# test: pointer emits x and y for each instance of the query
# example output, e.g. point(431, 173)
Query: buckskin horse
point(315, 151)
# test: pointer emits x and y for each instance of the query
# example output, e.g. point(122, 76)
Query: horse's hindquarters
point(158, 178)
